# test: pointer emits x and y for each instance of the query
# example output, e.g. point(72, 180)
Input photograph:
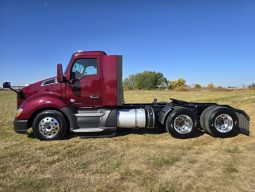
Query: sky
point(202, 41)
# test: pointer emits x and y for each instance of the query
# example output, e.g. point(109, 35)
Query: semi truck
point(87, 99)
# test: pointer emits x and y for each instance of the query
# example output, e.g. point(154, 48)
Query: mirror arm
point(64, 79)
point(70, 83)
point(14, 90)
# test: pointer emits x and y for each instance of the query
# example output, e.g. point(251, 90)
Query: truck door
point(84, 89)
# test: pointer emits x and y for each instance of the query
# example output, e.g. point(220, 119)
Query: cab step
point(95, 132)
point(88, 130)
point(97, 135)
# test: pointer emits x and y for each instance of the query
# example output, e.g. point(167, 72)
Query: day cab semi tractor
point(88, 100)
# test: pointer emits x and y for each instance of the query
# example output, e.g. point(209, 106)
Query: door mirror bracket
point(60, 75)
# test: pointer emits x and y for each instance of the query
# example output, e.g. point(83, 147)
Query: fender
point(40, 101)
point(163, 113)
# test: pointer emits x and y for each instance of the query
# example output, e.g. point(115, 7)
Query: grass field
point(138, 161)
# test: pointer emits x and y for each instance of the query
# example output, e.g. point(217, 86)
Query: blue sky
point(200, 41)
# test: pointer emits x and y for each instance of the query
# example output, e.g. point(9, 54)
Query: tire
point(50, 125)
point(222, 122)
point(203, 117)
point(174, 123)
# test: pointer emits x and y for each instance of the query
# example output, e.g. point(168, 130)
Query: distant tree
point(162, 82)
point(145, 80)
point(129, 83)
point(197, 86)
point(177, 83)
point(251, 86)
point(210, 86)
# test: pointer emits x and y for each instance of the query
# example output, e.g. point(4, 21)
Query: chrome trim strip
point(43, 83)
point(89, 114)
point(87, 130)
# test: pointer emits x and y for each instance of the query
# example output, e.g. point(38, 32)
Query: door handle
point(94, 97)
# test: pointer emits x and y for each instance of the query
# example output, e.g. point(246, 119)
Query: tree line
point(150, 80)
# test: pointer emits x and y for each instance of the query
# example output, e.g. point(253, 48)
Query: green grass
point(166, 188)
point(233, 149)
point(139, 161)
point(163, 160)
point(231, 168)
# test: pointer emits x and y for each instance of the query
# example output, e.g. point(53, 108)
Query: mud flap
point(244, 122)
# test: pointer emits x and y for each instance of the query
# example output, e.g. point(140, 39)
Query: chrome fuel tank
point(131, 118)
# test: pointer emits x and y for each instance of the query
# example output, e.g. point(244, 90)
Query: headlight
point(19, 111)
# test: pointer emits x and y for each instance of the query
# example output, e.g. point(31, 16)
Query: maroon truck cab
point(88, 98)
point(100, 85)
point(92, 79)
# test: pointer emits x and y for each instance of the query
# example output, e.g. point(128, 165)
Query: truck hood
point(46, 86)
point(35, 87)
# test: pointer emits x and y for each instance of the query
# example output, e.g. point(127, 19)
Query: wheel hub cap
point(224, 123)
point(49, 127)
point(183, 124)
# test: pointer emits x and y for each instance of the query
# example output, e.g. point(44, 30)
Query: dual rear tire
point(217, 121)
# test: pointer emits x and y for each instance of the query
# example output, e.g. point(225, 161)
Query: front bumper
point(20, 126)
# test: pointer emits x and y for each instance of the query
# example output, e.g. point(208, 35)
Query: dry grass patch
point(139, 161)
point(160, 160)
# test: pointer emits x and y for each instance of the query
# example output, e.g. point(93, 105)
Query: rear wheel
point(50, 125)
point(181, 123)
point(203, 116)
point(222, 122)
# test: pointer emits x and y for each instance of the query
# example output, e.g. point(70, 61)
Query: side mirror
point(7, 85)
point(60, 75)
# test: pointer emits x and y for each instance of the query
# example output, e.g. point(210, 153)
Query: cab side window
point(84, 67)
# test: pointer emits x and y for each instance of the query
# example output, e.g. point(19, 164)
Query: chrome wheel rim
point(224, 123)
point(183, 124)
point(49, 127)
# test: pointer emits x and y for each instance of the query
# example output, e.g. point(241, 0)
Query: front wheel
point(181, 123)
point(50, 125)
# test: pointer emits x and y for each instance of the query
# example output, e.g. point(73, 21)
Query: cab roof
point(88, 53)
